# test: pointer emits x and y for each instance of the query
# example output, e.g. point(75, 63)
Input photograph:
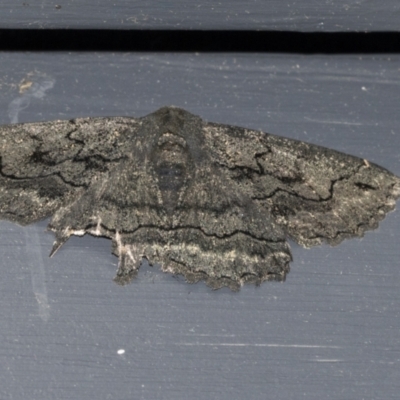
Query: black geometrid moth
point(209, 201)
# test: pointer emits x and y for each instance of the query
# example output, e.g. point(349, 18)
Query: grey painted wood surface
point(294, 15)
point(330, 331)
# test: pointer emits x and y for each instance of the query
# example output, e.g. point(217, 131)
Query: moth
point(209, 201)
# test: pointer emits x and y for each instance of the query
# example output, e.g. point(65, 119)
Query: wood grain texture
point(332, 327)
point(289, 15)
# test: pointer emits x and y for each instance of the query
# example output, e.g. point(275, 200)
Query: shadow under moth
point(209, 201)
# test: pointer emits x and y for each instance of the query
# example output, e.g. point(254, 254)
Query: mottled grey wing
point(45, 165)
point(316, 194)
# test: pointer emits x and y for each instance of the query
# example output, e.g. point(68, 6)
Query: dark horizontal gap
point(198, 41)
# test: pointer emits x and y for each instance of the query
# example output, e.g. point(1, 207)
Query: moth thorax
point(171, 161)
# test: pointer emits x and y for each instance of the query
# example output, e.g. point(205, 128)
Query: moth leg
point(128, 261)
point(61, 238)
